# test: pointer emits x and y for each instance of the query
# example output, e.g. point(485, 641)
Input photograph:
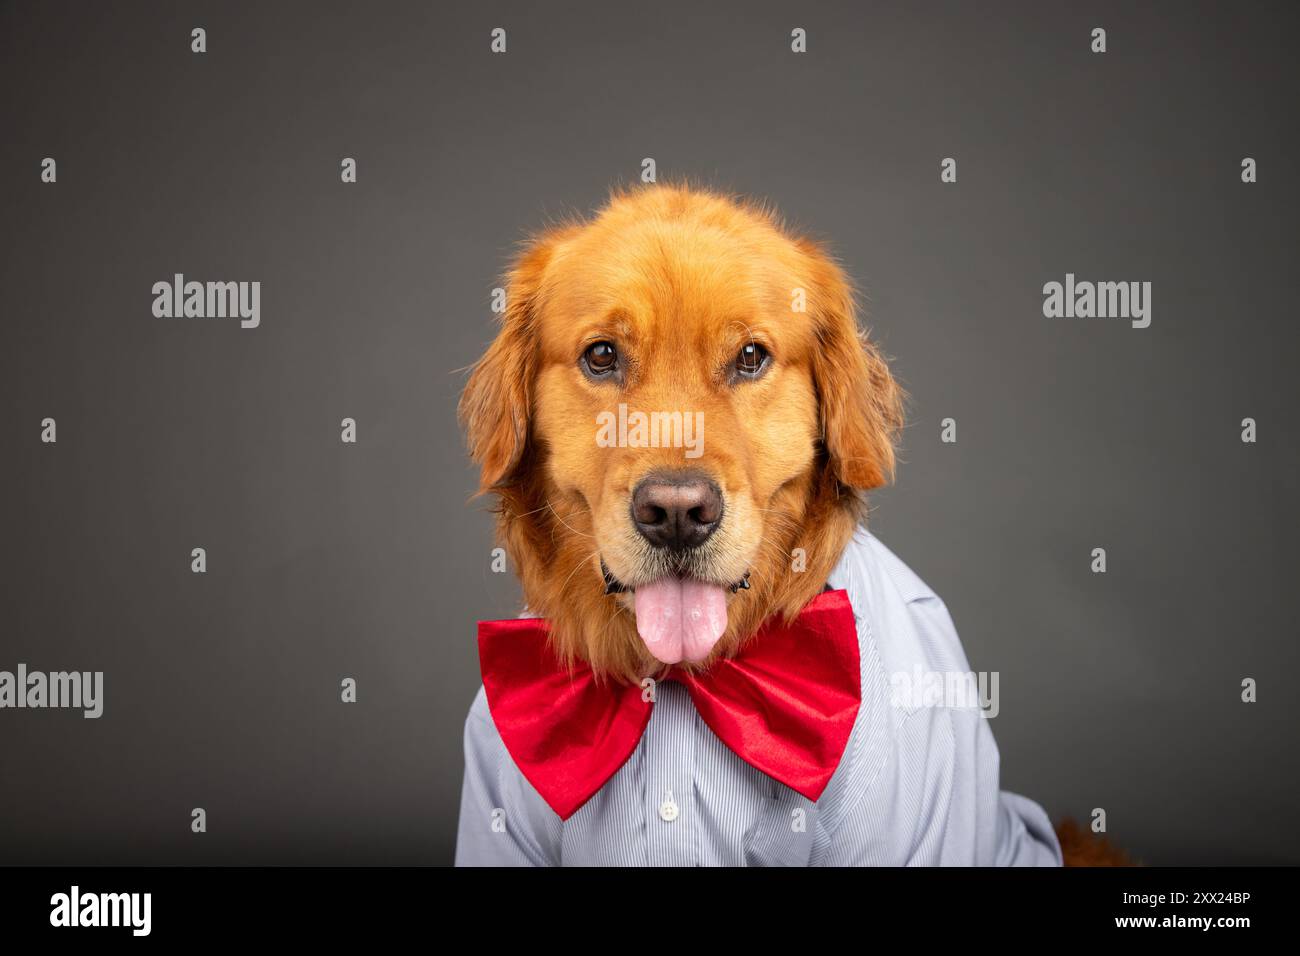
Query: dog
point(678, 420)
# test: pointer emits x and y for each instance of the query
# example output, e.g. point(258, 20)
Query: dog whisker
point(565, 523)
point(525, 514)
point(576, 568)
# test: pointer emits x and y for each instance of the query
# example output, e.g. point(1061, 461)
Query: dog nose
point(676, 512)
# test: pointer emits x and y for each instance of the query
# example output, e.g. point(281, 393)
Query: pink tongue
point(680, 619)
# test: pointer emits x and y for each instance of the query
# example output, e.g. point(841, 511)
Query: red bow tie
point(785, 705)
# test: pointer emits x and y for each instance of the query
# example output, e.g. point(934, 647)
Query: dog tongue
point(680, 618)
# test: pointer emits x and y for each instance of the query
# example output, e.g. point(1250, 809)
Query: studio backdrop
point(253, 534)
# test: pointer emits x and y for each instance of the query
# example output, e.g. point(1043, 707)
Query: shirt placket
point(670, 778)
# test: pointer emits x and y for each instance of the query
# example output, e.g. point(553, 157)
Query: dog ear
point(495, 407)
point(861, 405)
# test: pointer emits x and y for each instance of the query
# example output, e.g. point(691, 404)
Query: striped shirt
point(917, 784)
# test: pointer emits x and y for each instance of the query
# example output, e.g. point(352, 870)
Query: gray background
point(327, 560)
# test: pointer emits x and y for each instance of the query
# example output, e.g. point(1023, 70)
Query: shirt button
point(668, 809)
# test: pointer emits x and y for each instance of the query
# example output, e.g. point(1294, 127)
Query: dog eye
point(600, 358)
point(751, 361)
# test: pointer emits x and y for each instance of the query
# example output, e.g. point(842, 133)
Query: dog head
point(678, 415)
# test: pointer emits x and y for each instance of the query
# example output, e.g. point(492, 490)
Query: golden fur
point(1081, 847)
point(680, 279)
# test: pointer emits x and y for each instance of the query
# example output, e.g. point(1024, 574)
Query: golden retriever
point(770, 414)
point(769, 411)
